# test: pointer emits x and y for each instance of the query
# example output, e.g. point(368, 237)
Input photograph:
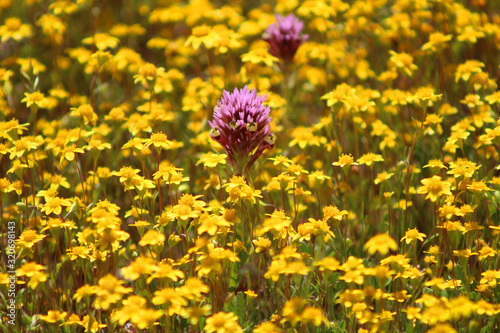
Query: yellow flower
point(223, 322)
point(259, 55)
point(486, 252)
point(345, 161)
point(54, 205)
point(267, 327)
point(339, 94)
point(78, 252)
point(472, 101)
point(383, 176)
point(261, 244)
point(464, 253)
point(109, 291)
point(402, 61)
point(29, 238)
point(211, 160)
point(68, 153)
point(14, 29)
point(424, 96)
point(86, 112)
point(328, 263)
point(435, 164)
point(412, 234)
point(194, 313)
point(135, 309)
point(36, 98)
point(152, 237)
point(34, 272)
point(478, 187)
point(465, 70)
point(463, 168)
point(370, 158)
point(437, 41)
point(490, 277)
point(382, 243)
point(159, 140)
point(211, 224)
point(53, 316)
point(434, 187)
point(470, 35)
point(84, 291)
point(165, 270)
point(312, 315)
point(281, 160)
point(140, 266)
point(102, 41)
point(23, 145)
point(202, 34)
point(292, 309)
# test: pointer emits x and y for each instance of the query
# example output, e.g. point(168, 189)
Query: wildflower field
point(250, 166)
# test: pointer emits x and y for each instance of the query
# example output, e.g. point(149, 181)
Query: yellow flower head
point(382, 243)
point(412, 234)
point(434, 187)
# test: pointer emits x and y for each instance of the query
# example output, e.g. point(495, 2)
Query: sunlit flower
point(86, 112)
point(15, 29)
point(402, 61)
point(345, 160)
point(382, 243)
point(370, 158)
point(29, 238)
point(53, 316)
point(55, 205)
point(223, 322)
point(434, 187)
point(412, 234)
point(35, 98)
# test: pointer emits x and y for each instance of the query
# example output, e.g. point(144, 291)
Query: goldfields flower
point(35, 98)
point(241, 126)
point(262, 244)
point(86, 112)
point(370, 158)
point(109, 291)
point(152, 237)
point(14, 29)
point(284, 36)
point(135, 309)
point(223, 322)
point(54, 205)
point(53, 316)
point(412, 234)
point(259, 55)
point(381, 243)
point(34, 272)
point(159, 140)
point(29, 238)
point(434, 187)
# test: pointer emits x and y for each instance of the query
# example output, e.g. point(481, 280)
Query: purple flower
point(285, 37)
point(241, 126)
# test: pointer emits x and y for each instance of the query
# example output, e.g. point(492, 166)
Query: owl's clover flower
point(284, 36)
point(241, 126)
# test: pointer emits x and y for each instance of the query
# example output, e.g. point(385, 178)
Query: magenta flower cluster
point(241, 126)
point(284, 36)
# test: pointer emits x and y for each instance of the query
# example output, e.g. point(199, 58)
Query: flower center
point(13, 24)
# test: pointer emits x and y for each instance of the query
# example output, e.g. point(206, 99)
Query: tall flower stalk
point(241, 125)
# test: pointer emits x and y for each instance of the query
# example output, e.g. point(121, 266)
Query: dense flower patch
point(230, 166)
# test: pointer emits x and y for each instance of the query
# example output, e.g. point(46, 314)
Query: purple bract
point(285, 37)
point(241, 126)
